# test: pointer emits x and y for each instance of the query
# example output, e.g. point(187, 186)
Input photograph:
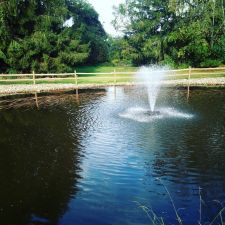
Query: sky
point(105, 10)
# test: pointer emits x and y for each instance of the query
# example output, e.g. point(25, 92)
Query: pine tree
point(33, 35)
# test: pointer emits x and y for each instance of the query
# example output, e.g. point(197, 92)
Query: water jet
point(152, 77)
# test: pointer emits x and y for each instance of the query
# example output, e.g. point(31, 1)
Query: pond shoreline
point(39, 88)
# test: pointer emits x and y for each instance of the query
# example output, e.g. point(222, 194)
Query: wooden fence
point(114, 76)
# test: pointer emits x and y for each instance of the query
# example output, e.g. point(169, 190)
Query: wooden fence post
point(75, 76)
point(34, 82)
point(76, 82)
point(189, 77)
point(36, 99)
point(114, 77)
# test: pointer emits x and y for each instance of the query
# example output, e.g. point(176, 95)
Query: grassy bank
point(111, 78)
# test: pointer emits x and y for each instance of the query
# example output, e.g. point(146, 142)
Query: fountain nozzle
point(153, 113)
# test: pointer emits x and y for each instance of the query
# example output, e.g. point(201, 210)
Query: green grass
point(109, 79)
point(105, 69)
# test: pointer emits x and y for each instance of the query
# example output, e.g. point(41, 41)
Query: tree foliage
point(178, 32)
point(35, 35)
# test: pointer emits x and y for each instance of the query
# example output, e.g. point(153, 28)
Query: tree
point(180, 32)
point(34, 35)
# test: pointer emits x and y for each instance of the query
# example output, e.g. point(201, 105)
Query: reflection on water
point(90, 161)
point(39, 165)
point(39, 159)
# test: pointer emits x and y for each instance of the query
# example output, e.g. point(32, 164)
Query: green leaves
point(33, 35)
point(2, 56)
point(177, 31)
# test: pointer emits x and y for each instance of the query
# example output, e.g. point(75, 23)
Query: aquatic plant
point(157, 220)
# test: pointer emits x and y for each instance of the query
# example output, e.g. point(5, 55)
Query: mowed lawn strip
point(110, 78)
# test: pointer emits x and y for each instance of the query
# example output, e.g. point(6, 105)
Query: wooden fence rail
point(114, 76)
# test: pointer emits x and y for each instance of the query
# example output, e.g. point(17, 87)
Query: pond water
point(102, 160)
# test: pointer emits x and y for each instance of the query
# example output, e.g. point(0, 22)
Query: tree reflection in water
point(39, 160)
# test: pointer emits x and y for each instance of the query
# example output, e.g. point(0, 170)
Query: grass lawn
point(108, 79)
point(105, 69)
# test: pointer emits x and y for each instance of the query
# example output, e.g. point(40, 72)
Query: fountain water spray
point(152, 78)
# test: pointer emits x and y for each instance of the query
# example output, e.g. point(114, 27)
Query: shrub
point(211, 63)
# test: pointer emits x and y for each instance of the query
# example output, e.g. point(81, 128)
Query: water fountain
point(152, 78)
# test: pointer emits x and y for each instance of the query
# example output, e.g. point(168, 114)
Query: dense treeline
point(174, 32)
point(59, 35)
point(49, 35)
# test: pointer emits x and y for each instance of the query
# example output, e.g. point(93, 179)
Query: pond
point(102, 160)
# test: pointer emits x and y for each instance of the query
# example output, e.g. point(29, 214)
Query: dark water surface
point(96, 159)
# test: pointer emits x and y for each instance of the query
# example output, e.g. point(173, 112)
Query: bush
point(121, 62)
point(183, 65)
point(168, 61)
point(211, 63)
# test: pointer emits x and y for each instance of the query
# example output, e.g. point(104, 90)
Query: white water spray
point(152, 78)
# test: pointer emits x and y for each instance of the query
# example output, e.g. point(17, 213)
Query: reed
point(156, 220)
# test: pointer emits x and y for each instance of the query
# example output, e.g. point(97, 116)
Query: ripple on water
point(95, 159)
